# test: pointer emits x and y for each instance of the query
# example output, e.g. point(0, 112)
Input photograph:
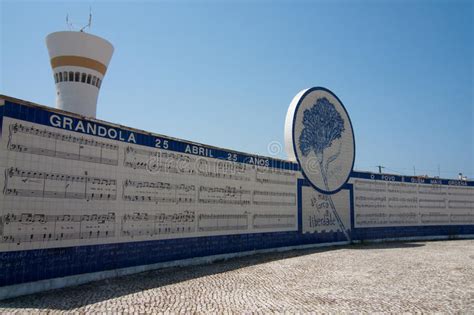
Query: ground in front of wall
point(391, 277)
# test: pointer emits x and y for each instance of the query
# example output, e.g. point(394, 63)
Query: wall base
point(12, 291)
point(415, 238)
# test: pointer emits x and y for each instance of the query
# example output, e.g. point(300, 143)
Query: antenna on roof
point(69, 24)
point(90, 21)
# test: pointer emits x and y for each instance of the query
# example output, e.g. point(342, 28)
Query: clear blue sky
point(224, 73)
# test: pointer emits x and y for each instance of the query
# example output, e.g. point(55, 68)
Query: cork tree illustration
point(322, 126)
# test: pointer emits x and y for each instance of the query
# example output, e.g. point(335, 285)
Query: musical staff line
point(273, 198)
point(26, 183)
point(158, 192)
point(275, 176)
point(34, 227)
point(55, 144)
point(156, 161)
point(410, 204)
point(224, 195)
point(145, 224)
point(177, 163)
point(222, 222)
point(267, 221)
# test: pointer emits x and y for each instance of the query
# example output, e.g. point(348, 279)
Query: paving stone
point(421, 277)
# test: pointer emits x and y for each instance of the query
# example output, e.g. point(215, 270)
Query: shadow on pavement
point(70, 298)
point(387, 245)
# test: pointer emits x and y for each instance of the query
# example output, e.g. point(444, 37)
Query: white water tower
point(79, 62)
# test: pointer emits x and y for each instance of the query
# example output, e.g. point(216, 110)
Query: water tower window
point(89, 79)
point(60, 77)
point(94, 79)
point(65, 76)
point(83, 78)
point(99, 82)
point(56, 78)
point(71, 76)
point(77, 77)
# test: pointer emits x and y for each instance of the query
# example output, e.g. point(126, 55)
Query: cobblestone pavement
point(393, 277)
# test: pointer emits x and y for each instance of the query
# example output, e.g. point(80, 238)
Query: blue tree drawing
point(322, 126)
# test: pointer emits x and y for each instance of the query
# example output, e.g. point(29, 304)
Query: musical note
point(224, 195)
point(158, 192)
point(270, 175)
point(145, 224)
point(156, 161)
point(40, 227)
point(55, 144)
point(27, 183)
point(177, 163)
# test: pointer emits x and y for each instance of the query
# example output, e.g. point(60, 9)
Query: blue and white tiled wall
point(82, 196)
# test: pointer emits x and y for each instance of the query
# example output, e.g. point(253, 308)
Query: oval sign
point(319, 135)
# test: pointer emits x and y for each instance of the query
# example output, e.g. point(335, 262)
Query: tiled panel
point(74, 203)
